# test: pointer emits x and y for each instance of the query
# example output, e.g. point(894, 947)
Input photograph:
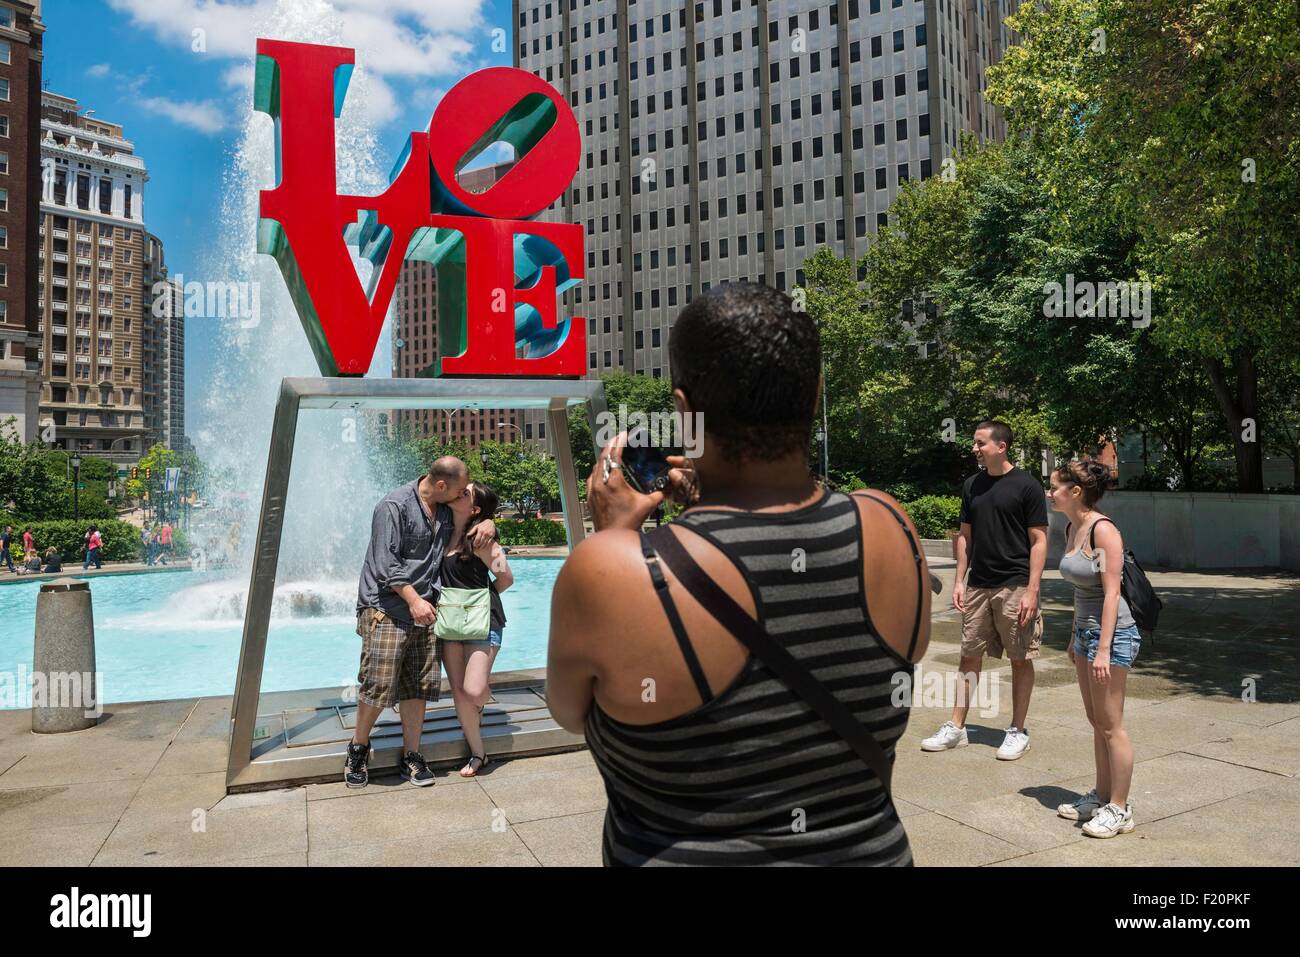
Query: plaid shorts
point(398, 662)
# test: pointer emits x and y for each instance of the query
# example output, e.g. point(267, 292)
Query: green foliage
point(530, 531)
point(639, 393)
point(934, 515)
point(1182, 127)
point(121, 539)
point(523, 478)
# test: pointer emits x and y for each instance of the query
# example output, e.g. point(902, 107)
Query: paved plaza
point(1217, 779)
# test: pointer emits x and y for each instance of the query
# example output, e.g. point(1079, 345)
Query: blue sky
point(134, 63)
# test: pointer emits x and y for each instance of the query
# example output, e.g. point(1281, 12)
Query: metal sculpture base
point(289, 737)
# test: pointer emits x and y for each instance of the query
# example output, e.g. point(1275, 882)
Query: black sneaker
point(415, 770)
point(355, 774)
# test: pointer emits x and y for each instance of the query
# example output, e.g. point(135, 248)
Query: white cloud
point(98, 71)
point(414, 38)
point(204, 116)
point(239, 75)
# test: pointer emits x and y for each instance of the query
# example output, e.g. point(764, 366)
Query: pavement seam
point(558, 817)
point(14, 765)
point(136, 793)
point(1234, 764)
point(997, 837)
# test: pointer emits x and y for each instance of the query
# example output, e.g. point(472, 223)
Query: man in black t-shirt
point(1003, 544)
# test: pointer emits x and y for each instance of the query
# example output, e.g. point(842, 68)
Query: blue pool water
point(177, 634)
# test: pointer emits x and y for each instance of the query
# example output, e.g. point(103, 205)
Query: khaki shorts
point(989, 625)
point(398, 662)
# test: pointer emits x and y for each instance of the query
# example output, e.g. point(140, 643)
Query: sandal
point(483, 761)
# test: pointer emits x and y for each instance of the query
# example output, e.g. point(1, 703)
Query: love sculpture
point(508, 269)
point(499, 276)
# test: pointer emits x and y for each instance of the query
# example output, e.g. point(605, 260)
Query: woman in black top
point(470, 662)
point(53, 560)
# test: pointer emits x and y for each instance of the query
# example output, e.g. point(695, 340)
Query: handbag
point(464, 614)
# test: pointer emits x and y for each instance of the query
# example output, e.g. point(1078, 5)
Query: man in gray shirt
point(409, 534)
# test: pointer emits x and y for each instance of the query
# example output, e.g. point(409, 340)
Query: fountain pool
point(177, 634)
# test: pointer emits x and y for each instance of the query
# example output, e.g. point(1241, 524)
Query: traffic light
point(148, 473)
point(135, 473)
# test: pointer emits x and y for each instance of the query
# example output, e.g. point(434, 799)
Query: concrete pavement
point(1217, 779)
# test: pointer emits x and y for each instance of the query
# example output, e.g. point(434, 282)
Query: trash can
point(64, 692)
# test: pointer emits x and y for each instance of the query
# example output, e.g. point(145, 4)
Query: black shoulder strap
point(1092, 532)
point(747, 631)
point(675, 620)
point(916, 557)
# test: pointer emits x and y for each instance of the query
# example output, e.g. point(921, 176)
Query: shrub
point(935, 515)
point(530, 531)
point(121, 539)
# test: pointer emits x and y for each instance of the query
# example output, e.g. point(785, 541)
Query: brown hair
point(1090, 475)
point(486, 499)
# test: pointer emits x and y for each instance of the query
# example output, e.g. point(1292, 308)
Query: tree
point(623, 390)
point(1195, 108)
point(32, 484)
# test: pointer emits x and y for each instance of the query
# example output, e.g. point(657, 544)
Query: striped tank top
point(755, 775)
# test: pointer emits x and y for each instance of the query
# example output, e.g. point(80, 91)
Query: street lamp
point(483, 457)
point(511, 425)
point(76, 485)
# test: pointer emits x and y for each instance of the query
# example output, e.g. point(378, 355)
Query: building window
point(6, 52)
point(4, 126)
point(4, 200)
point(4, 237)
point(4, 89)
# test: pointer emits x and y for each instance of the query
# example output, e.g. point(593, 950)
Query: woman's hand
point(613, 502)
point(1101, 666)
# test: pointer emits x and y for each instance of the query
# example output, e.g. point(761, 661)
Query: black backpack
point(1134, 585)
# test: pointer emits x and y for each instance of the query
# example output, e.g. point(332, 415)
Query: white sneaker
point(948, 737)
point(1081, 808)
point(1110, 820)
point(1014, 744)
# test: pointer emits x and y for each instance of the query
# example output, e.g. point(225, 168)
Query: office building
point(21, 32)
point(729, 139)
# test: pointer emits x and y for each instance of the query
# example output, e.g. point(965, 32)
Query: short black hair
point(999, 431)
point(749, 363)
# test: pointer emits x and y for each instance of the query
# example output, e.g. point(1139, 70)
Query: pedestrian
point(410, 531)
point(1003, 542)
point(1104, 643)
point(5, 538)
point(471, 617)
point(94, 542)
point(734, 670)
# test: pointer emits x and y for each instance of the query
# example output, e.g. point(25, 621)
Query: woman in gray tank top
point(1104, 642)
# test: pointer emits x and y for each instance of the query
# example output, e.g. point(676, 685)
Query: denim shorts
point(1123, 647)
point(493, 641)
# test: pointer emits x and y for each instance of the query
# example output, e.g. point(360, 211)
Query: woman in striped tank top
point(710, 755)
